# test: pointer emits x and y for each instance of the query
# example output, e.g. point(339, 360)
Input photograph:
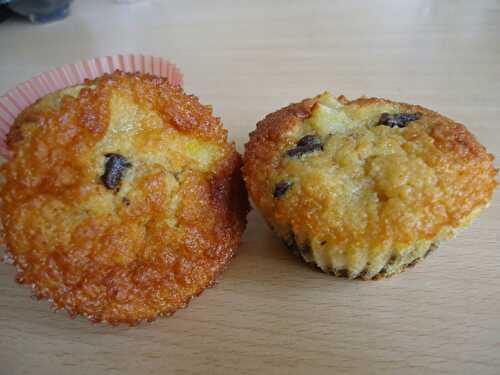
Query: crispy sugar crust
point(375, 199)
point(143, 250)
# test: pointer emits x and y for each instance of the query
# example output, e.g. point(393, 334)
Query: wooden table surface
point(270, 313)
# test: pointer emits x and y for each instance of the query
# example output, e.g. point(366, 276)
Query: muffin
point(365, 188)
point(123, 198)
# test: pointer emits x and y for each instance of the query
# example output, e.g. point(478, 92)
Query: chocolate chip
point(281, 188)
point(399, 119)
point(115, 165)
point(309, 140)
point(126, 201)
point(305, 145)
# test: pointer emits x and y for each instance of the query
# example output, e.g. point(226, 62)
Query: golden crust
point(374, 195)
point(128, 254)
point(271, 131)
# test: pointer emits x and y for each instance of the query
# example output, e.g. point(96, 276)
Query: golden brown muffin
point(365, 188)
point(123, 198)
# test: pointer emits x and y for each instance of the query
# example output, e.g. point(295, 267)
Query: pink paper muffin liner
point(25, 94)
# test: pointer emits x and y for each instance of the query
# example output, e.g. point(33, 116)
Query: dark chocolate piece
point(305, 145)
point(114, 168)
point(399, 119)
point(281, 188)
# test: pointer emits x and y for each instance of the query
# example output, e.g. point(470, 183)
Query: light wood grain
point(271, 314)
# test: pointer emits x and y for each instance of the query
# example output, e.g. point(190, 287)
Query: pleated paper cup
point(25, 94)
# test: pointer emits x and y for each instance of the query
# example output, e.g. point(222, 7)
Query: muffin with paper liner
point(365, 188)
point(122, 198)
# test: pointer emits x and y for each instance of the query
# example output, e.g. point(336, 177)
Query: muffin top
point(365, 175)
point(122, 198)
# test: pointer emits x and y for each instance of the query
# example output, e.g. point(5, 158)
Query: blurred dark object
point(41, 11)
point(5, 12)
